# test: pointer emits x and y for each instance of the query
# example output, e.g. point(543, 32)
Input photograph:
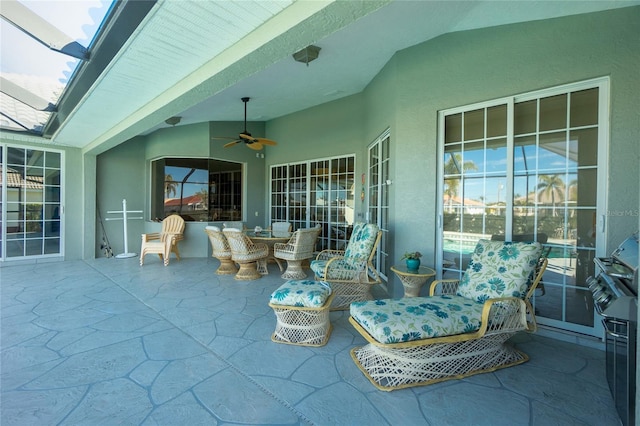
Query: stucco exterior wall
point(468, 67)
point(124, 172)
point(472, 66)
point(406, 95)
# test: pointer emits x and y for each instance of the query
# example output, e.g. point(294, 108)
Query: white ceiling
point(197, 59)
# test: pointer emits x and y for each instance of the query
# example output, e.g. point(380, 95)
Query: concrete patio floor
point(109, 342)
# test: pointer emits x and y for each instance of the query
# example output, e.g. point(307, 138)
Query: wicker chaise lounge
point(460, 329)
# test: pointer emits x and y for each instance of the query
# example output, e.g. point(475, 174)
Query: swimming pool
point(460, 247)
point(466, 247)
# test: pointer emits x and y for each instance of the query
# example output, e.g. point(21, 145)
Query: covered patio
point(106, 341)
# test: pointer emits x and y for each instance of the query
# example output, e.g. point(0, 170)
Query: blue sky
point(79, 19)
point(201, 176)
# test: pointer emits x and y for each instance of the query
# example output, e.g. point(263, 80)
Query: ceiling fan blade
point(244, 136)
point(265, 141)
point(254, 145)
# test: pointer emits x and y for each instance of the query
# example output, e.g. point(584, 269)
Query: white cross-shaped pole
point(124, 218)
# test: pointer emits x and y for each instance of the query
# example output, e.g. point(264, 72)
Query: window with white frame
point(31, 202)
point(530, 166)
point(316, 193)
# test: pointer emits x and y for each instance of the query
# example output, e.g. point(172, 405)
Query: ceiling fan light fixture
point(307, 54)
point(172, 121)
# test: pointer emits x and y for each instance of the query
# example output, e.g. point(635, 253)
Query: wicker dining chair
point(281, 228)
point(245, 253)
point(221, 250)
point(300, 247)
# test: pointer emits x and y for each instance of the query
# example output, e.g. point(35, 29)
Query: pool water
point(467, 248)
point(461, 247)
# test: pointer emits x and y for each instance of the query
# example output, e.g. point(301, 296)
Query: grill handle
point(613, 269)
point(610, 332)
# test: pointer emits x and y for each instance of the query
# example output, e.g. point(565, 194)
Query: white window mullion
point(510, 169)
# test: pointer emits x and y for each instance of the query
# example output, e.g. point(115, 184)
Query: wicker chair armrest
point(260, 247)
point(151, 236)
point(506, 314)
point(444, 287)
point(335, 270)
point(372, 274)
point(329, 253)
point(289, 248)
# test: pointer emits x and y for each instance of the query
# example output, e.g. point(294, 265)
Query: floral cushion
point(340, 266)
point(361, 243)
point(301, 293)
point(317, 266)
point(415, 318)
point(499, 269)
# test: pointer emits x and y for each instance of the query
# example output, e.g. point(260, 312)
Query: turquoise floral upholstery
point(301, 293)
point(318, 267)
point(499, 269)
point(361, 243)
point(416, 341)
point(416, 318)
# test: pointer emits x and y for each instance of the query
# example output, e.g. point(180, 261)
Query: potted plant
point(413, 259)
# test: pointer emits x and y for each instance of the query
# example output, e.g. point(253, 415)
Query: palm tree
point(204, 196)
point(572, 190)
point(551, 186)
point(452, 167)
point(170, 186)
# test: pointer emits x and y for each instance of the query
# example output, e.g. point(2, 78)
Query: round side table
point(413, 280)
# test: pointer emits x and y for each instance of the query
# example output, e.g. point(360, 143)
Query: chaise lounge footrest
point(302, 312)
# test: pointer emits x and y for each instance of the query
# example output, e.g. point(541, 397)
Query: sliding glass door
point(530, 167)
point(378, 196)
point(31, 207)
point(316, 193)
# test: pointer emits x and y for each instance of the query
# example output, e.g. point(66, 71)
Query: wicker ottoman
point(302, 312)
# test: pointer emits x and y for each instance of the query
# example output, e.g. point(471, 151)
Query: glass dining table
point(268, 237)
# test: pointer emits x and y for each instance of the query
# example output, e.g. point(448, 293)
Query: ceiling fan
point(245, 136)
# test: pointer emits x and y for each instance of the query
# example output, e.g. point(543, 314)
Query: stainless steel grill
point(615, 296)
